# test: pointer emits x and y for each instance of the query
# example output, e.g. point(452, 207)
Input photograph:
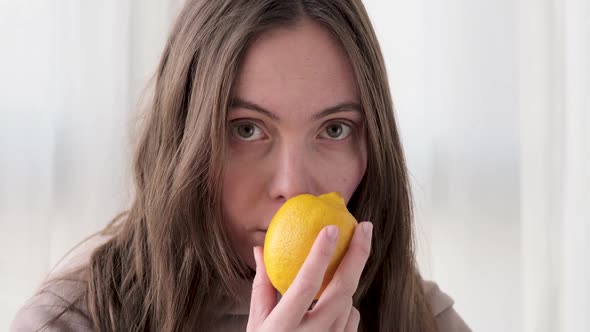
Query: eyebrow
point(342, 107)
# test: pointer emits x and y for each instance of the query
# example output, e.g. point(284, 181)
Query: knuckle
point(354, 313)
point(258, 283)
point(347, 302)
point(354, 319)
point(305, 288)
point(363, 248)
point(326, 251)
point(346, 287)
point(256, 286)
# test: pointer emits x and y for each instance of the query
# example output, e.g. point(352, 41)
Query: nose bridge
point(291, 176)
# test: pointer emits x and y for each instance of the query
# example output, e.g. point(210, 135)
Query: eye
point(246, 131)
point(336, 131)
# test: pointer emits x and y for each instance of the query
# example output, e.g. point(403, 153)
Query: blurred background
point(492, 99)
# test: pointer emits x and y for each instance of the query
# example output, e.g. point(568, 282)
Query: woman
point(255, 102)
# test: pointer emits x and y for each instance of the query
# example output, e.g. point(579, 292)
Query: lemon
point(293, 230)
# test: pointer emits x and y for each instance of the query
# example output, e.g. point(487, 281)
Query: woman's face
point(295, 126)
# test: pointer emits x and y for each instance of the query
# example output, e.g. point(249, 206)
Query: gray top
point(44, 306)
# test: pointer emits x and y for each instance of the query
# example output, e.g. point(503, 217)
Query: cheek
point(231, 187)
point(341, 169)
point(243, 188)
point(239, 187)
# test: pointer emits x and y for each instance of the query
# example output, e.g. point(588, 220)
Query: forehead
point(302, 67)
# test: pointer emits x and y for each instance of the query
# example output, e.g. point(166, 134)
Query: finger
point(346, 278)
point(308, 281)
point(352, 324)
point(264, 296)
point(344, 314)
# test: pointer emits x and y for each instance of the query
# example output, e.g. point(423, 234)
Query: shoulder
point(59, 303)
point(61, 300)
point(441, 305)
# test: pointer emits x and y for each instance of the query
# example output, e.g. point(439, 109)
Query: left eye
point(247, 131)
point(336, 131)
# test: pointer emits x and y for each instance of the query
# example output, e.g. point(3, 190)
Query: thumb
point(264, 296)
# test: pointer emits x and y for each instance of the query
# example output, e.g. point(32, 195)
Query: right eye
point(246, 131)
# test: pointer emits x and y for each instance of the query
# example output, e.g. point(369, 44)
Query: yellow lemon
point(293, 230)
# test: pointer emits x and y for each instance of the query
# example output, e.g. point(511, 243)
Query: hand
point(333, 310)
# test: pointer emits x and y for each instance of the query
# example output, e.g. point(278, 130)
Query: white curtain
point(453, 71)
point(70, 75)
point(555, 163)
point(493, 99)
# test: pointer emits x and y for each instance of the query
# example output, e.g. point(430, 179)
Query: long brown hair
point(169, 265)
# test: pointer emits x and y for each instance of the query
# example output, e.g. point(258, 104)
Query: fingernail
point(332, 232)
point(368, 229)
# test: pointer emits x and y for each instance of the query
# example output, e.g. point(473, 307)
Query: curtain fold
point(555, 163)
point(70, 76)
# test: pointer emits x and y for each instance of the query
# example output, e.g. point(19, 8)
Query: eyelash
point(235, 125)
point(350, 128)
